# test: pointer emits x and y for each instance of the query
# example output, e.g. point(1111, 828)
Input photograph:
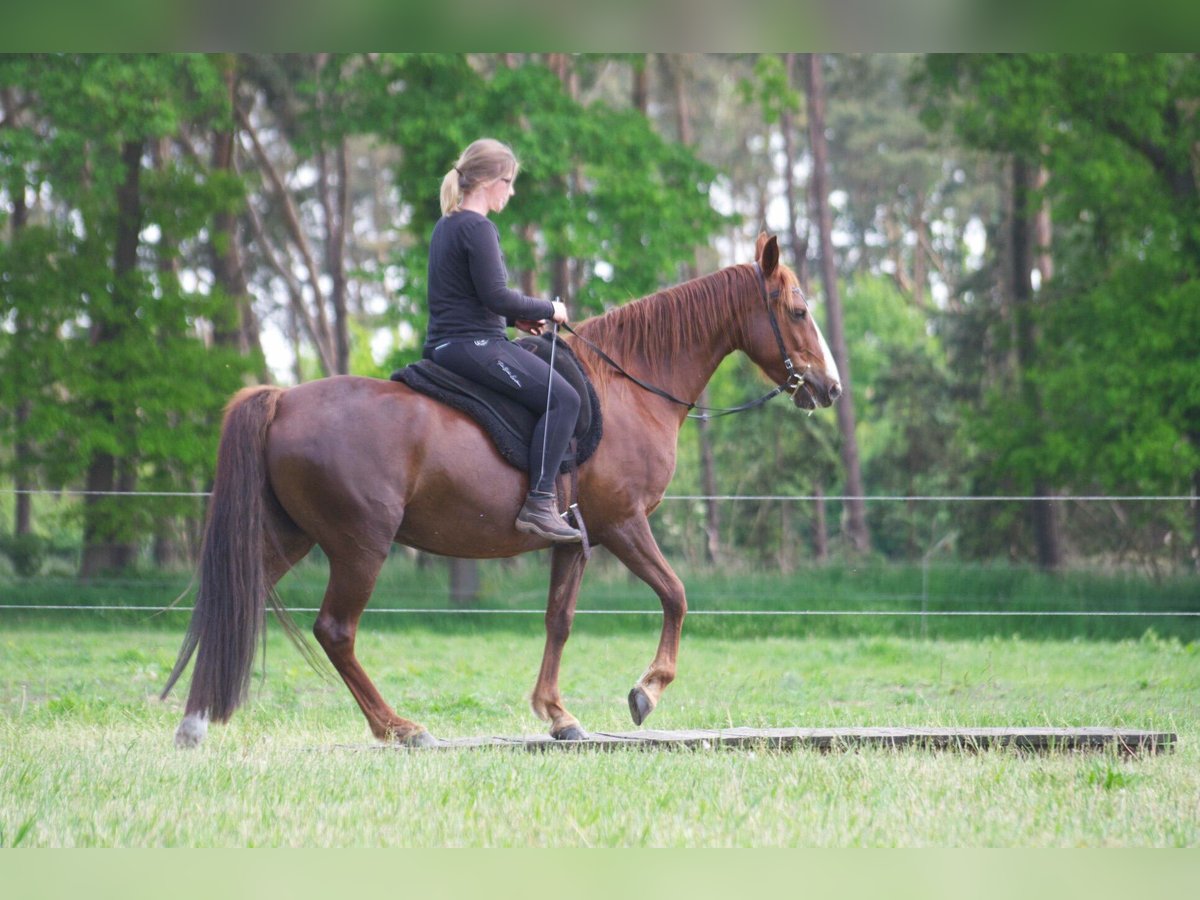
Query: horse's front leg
point(633, 543)
point(566, 571)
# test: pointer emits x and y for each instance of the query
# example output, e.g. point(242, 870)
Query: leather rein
point(795, 378)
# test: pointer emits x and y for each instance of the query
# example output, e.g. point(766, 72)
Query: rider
point(469, 303)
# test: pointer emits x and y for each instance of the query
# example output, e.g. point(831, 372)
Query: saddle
point(506, 422)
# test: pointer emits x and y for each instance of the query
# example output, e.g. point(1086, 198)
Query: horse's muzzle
point(816, 390)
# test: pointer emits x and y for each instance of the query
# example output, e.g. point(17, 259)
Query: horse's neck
point(684, 334)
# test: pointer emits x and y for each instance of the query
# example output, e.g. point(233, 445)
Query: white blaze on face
point(831, 368)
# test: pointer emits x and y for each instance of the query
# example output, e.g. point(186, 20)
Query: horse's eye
point(797, 312)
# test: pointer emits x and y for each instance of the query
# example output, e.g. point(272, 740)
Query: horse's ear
point(767, 253)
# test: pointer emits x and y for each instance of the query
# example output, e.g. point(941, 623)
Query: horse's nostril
point(835, 391)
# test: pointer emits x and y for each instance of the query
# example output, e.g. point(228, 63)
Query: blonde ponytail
point(452, 195)
point(485, 161)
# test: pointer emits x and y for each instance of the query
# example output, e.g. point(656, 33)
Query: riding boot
point(540, 516)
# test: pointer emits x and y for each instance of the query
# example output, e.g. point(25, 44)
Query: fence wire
point(776, 498)
point(923, 598)
point(156, 610)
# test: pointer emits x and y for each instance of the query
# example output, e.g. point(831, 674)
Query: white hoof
point(191, 731)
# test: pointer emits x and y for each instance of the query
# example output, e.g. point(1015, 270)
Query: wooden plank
point(1034, 739)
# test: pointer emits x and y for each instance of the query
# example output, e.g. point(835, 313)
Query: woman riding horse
point(354, 465)
point(469, 300)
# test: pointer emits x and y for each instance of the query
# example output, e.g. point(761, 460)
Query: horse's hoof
point(570, 733)
point(640, 705)
point(191, 731)
point(419, 740)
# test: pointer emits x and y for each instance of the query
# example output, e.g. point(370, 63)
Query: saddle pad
point(508, 423)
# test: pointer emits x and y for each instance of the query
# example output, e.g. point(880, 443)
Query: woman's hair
point(484, 161)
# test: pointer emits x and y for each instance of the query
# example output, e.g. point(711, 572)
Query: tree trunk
point(168, 549)
point(920, 276)
point(787, 551)
point(239, 327)
point(820, 528)
point(1195, 504)
point(558, 264)
point(317, 323)
point(104, 549)
point(23, 513)
point(464, 583)
point(335, 212)
point(1043, 514)
point(798, 243)
point(640, 95)
point(21, 464)
point(708, 466)
point(856, 526)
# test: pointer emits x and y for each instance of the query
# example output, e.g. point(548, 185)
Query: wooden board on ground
point(1124, 741)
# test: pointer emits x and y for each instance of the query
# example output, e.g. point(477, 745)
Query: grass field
point(86, 757)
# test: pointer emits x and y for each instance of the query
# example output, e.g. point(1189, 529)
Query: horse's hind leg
point(352, 575)
point(633, 543)
point(566, 571)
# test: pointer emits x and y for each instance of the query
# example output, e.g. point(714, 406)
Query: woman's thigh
point(503, 367)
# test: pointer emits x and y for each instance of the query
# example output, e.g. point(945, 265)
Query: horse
point(356, 464)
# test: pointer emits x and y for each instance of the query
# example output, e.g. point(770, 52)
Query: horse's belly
point(456, 526)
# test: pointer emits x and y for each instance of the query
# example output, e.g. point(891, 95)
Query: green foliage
point(120, 371)
point(909, 422)
point(93, 366)
point(597, 185)
point(770, 87)
point(1113, 373)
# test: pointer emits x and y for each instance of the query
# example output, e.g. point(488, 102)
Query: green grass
point(86, 757)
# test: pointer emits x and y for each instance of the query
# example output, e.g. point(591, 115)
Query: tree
point(1119, 407)
point(128, 389)
point(857, 520)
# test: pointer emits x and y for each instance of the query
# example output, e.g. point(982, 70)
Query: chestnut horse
point(355, 464)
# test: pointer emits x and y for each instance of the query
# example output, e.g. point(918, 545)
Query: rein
point(794, 382)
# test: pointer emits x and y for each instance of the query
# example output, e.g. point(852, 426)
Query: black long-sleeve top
point(468, 293)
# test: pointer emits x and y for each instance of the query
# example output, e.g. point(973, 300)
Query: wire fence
point(683, 526)
point(868, 498)
point(1136, 614)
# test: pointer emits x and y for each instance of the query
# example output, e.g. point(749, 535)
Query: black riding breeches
point(515, 372)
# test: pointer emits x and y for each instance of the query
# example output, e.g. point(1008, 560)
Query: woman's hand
point(533, 326)
point(560, 312)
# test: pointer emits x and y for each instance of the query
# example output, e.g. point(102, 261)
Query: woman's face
point(499, 191)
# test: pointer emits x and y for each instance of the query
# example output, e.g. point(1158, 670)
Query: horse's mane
point(664, 325)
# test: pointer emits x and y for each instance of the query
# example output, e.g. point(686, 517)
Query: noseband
point(794, 381)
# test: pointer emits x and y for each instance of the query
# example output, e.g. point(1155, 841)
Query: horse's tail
point(233, 587)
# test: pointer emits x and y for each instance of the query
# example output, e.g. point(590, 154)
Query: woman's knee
point(564, 397)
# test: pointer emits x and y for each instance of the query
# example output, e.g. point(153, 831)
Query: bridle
point(794, 381)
